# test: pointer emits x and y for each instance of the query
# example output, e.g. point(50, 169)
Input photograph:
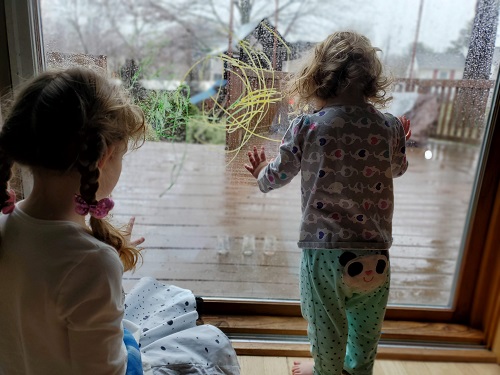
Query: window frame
point(477, 301)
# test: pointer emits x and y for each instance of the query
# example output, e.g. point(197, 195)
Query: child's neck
point(52, 198)
point(351, 95)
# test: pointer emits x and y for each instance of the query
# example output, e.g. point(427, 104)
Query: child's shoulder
point(348, 112)
point(391, 119)
point(89, 252)
point(81, 245)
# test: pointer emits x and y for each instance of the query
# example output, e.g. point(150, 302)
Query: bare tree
point(166, 37)
point(462, 42)
point(118, 29)
point(196, 16)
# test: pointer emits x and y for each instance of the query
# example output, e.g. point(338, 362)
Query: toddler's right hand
point(257, 161)
point(406, 126)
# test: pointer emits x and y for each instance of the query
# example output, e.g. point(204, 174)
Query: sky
point(441, 21)
point(392, 24)
point(389, 24)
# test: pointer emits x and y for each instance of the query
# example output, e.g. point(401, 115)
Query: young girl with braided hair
point(63, 306)
point(60, 281)
point(348, 154)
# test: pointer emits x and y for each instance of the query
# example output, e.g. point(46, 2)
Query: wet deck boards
point(184, 197)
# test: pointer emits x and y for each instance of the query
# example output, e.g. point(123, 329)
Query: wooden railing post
point(237, 90)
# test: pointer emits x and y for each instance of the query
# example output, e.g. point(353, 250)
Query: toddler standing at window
point(348, 154)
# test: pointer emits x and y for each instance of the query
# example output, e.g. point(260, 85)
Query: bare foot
point(303, 368)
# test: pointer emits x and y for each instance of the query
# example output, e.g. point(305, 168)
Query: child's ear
point(107, 155)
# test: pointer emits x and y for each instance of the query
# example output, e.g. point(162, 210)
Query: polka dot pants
point(343, 295)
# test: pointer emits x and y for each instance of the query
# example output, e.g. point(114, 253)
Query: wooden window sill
point(402, 340)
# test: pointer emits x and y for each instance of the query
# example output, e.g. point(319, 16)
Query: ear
point(110, 150)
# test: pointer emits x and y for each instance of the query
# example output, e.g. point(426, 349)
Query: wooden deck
point(186, 199)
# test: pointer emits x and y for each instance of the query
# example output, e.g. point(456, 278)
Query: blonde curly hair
point(342, 59)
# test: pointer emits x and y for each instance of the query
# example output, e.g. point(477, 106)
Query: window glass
point(208, 75)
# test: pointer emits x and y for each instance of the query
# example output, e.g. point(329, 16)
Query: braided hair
point(64, 121)
point(342, 59)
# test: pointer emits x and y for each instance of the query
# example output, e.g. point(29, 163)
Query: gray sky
point(394, 22)
point(390, 24)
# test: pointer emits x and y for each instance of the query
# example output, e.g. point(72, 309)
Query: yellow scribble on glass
point(244, 113)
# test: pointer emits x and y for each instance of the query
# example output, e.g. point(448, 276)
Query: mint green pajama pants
point(343, 296)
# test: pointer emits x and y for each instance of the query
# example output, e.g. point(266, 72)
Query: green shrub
point(201, 130)
point(172, 117)
point(168, 112)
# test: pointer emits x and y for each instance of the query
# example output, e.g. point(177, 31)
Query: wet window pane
point(208, 79)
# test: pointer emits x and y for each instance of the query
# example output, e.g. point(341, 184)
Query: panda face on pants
point(364, 273)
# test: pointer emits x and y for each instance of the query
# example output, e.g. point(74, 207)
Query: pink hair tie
point(99, 210)
point(10, 203)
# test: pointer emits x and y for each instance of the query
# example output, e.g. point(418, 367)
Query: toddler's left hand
point(257, 161)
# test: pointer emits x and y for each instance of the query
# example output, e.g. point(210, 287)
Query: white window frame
point(24, 29)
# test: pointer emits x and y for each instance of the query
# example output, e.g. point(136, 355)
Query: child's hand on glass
point(128, 231)
point(406, 126)
point(257, 161)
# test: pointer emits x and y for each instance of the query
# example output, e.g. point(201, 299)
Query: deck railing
point(462, 104)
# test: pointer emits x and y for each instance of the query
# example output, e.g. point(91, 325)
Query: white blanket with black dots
point(163, 320)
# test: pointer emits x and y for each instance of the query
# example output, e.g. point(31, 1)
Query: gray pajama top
point(348, 157)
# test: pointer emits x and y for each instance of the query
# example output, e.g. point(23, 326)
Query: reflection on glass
point(248, 245)
point(208, 93)
point(223, 245)
point(269, 247)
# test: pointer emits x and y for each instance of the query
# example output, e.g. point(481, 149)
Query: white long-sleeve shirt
point(347, 157)
point(61, 301)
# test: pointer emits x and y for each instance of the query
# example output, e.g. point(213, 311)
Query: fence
point(462, 104)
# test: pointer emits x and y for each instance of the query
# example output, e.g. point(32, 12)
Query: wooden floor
point(187, 200)
point(282, 366)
